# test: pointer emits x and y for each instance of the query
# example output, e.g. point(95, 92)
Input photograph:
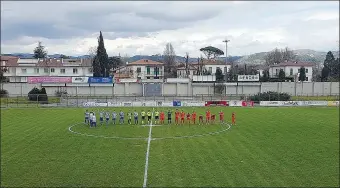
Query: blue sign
point(177, 103)
point(103, 80)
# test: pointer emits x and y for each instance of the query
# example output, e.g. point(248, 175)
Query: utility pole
point(226, 58)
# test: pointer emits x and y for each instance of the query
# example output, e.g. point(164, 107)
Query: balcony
point(150, 73)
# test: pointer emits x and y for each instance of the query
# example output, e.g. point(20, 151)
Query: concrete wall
point(181, 89)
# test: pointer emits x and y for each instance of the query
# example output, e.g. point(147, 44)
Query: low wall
point(180, 89)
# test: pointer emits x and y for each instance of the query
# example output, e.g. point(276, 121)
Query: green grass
point(268, 147)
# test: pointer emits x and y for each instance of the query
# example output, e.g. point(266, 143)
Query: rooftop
point(145, 62)
point(299, 64)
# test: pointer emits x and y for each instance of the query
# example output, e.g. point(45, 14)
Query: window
point(148, 77)
point(210, 69)
point(90, 70)
point(291, 71)
point(52, 69)
point(139, 69)
point(45, 70)
point(24, 71)
point(180, 73)
point(306, 78)
point(188, 72)
point(225, 70)
point(306, 71)
point(276, 71)
point(75, 71)
point(298, 70)
point(148, 70)
point(36, 70)
point(62, 71)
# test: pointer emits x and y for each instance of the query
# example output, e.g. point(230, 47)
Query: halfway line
point(147, 153)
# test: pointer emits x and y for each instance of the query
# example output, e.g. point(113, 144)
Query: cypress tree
point(101, 61)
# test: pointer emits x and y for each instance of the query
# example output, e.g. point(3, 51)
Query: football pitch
point(269, 147)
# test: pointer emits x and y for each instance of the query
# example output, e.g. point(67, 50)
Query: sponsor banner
point(248, 78)
point(314, 103)
point(105, 80)
point(145, 103)
point(177, 103)
point(184, 103)
point(333, 103)
point(216, 103)
point(235, 103)
point(247, 103)
point(80, 79)
point(271, 103)
point(127, 104)
point(167, 104)
point(101, 104)
point(35, 80)
point(292, 103)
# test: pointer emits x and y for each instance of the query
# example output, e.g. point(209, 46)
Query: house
point(146, 69)
point(208, 66)
point(19, 69)
point(292, 69)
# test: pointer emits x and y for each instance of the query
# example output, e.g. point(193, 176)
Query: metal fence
point(78, 101)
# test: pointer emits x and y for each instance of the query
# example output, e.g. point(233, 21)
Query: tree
point(169, 59)
point(211, 52)
point(282, 75)
point(219, 75)
point(187, 64)
point(302, 76)
point(2, 80)
point(39, 51)
point(277, 56)
point(324, 74)
point(100, 65)
point(115, 62)
point(265, 77)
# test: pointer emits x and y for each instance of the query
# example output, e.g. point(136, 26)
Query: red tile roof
point(145, 62)
point(299, 64)
point(10, 61)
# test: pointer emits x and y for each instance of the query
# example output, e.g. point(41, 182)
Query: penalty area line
point(147, 153)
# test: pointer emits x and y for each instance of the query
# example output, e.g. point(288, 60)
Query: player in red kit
point(177, 117)
point(233, 118)
point(162, 117)
point(193, 117)
point(207, 116)
point(221, 117)
point(188, 117)
point(182, 117)
point(200, 120)
point(213, 118)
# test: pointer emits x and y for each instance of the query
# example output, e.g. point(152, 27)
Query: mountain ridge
point(302, 55)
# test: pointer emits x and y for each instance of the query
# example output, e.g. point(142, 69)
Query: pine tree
point(101, 66)
point(39, 51)
point(282, 75)
point(302, 76)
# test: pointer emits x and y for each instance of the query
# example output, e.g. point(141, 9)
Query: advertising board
point(216, 103)
point(35, 80)
point(167, 104)
point(104, 80)
point(177, 103)
point(235, 103)
point(270, 103)
point(80, 79)
point(314, 103)
point(185, 103)
point(248, 78)
point(333, 103)
point(247, 103)
point(101, 104)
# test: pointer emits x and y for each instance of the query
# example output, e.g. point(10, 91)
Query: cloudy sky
point(135, 28)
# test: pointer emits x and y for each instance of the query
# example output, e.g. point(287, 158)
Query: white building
point(19, 69)
point(143, 69)
point(292, 69)
point(210, 66)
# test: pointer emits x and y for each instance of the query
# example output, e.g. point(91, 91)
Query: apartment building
point(292, 69)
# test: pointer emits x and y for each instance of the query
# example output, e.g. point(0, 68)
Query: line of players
point(180, 117)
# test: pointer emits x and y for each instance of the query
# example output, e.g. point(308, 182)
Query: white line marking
point(141, 138)
point(147, 153)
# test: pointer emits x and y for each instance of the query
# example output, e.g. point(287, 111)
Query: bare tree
point(277, 56)
point(92, 51)
point(169, 59)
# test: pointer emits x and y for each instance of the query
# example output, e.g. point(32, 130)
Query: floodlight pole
point(226, 57)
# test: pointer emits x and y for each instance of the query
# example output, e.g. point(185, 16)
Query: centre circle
point(223, 128)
